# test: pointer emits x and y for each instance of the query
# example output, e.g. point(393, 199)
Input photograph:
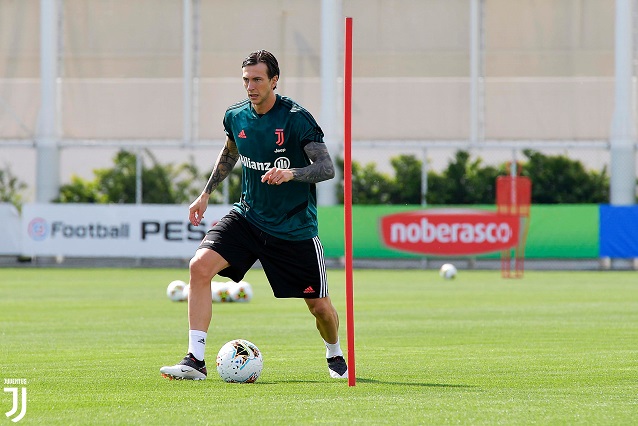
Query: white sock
point(197, 343)
point(333, 349)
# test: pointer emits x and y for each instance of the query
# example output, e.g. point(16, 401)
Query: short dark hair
point(267, 58)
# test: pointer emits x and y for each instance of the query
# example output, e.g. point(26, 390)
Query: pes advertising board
point(94, 230)
point(9, 230)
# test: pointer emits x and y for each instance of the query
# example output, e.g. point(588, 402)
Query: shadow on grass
point(372, 381)
point(427, 385)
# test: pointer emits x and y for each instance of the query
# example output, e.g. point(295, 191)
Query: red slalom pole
point(347, 198)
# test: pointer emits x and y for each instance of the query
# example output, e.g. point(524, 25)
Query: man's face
point(258, 86)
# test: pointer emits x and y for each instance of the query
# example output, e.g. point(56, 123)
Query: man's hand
point(197, 209)
point(276, 176)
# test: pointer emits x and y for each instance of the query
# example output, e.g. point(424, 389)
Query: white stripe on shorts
point(323, 289)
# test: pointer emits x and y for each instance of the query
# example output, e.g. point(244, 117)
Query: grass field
point(552, 348)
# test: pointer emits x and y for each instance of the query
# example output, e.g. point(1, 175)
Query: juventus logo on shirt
point(280, 136)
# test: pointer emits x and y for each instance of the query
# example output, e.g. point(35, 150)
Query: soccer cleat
point(188, 369)
point(337, 367)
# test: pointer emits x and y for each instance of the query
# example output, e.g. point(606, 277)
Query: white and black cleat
point(337, 367)
point(188, 369)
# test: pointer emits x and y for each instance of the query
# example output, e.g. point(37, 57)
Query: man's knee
point(206, 264)
point(321, 307)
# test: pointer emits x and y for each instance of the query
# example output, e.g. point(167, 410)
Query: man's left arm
point(322, 167)
point(319, 170)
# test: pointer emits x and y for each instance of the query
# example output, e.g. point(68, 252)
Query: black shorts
point(293, 268)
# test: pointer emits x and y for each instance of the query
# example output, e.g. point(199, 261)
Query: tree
point(555, 179)
point(463, 182)
point(11, 188)
point(81, 191)
point(161, 184)
point(558, 179)
point(369, 186)
point(407, 180)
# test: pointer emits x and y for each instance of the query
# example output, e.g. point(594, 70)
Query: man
point(281, 148)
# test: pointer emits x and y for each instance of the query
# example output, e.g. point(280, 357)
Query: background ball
point(186, 292)
point(239, 361)
point(241, 292)
point(220, 292)
point(175, 290)
point(448, 271)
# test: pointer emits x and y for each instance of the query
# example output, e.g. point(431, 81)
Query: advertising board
point(619, 231)
point(99, 230)
point(568, 231)
point(450, 231)
point(9, 230)
point(94, 230)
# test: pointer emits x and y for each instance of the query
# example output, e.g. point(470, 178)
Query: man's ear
point(275, 79)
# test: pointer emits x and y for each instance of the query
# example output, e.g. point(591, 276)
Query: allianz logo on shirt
point(280, 163)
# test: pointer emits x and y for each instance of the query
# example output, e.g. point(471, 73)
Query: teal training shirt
point(275, 139)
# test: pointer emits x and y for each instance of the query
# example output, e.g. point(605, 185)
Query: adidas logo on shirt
point(242, 134)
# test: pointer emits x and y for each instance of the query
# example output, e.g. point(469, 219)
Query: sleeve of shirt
point(310, 131)
point(313, 135)
point(227, 129)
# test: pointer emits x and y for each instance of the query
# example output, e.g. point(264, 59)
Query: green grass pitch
point(552, 348)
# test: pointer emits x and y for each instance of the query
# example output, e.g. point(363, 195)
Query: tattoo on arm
point(224, 165)
point(321, 168)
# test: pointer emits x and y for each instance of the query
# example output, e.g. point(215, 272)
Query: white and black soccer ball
point(175, 290)
point(239, 361)
point(240, 292)
point(448, 271)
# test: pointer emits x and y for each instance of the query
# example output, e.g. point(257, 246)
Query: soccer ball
point(239, 361)
point(240, 292)
point(220, 292)
point(175, 290)
point(186, 292)
point(447, 271)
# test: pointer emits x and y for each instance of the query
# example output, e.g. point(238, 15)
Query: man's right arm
point(223, 167)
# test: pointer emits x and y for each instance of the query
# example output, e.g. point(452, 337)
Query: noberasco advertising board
point(444, 232)
point(394, 232)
